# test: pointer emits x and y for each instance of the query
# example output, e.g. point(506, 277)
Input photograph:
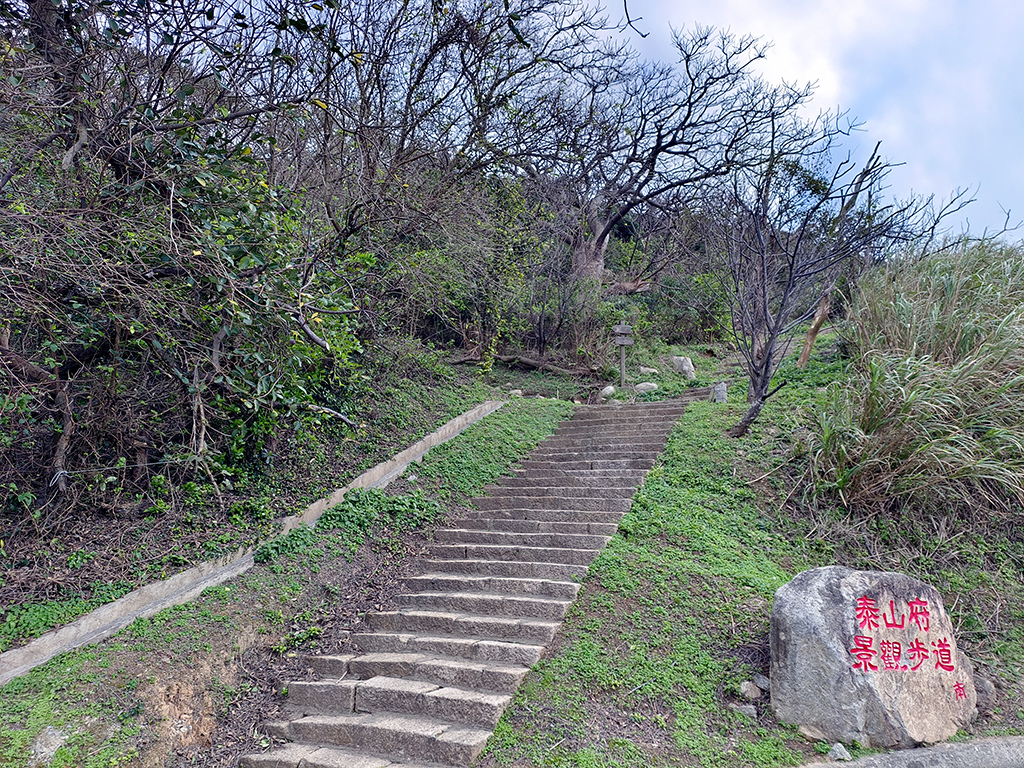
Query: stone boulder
point(646, 386)
point(869, 657)
point(684, 365)
point(719, 393)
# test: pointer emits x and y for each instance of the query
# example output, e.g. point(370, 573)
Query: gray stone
point(651, 371)
point(749, 690)
point(869, 657)
point(607, 392)
point(762, 682)
point(646, 386)
point(516, 392)
point(839, 753)
point(748, 710)
point(986, 693)
point(1005, 752)
point(684, 365)
point(719, 393)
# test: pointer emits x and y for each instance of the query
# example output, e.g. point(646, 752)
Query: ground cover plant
point(674, 614)
point(190, 685)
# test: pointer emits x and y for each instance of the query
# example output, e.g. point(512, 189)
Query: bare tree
point(781, 230)
point(652, 136)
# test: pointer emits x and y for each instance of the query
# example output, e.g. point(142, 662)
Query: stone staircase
point(431, 680)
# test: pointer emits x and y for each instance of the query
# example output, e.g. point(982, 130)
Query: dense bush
point(933, 416)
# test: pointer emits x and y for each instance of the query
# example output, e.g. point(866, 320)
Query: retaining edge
point(146, 601)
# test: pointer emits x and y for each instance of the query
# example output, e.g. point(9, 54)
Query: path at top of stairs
point(428, 684)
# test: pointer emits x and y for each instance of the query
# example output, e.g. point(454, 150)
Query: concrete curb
point(1002, 752)
point(182, 587)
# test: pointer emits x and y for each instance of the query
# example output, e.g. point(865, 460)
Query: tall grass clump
point(933, 416)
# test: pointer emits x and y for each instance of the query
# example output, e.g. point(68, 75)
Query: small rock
point(986, 693)
point(745, 709)
point(719, 393)
point(45, 747)
point(649, 371)
point(516, 393)
point(840, 753)
point(684, 365)
point(646, 386)
point(413, 478)
point(762, 682)
point(606, 392)
point(749, 690)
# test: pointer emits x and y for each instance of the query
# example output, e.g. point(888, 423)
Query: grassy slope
point(673, 617)
point(188, 684)
point(675, 613)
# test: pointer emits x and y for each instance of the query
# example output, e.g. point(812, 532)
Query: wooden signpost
point(623, 339)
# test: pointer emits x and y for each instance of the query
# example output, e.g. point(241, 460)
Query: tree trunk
point(588, 261)
point(820, 316)
point(741, 427)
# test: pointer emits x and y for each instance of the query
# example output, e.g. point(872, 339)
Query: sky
point(938, 82)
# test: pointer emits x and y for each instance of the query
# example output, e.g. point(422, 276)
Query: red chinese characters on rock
point(904, 652)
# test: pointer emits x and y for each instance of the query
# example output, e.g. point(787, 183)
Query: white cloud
point(936, 80)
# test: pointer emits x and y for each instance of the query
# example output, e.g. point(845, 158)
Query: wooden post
point(623, 340)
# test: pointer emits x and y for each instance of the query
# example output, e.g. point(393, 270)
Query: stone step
point(465, 648)
point(532, 525)
point(599, 426)
point(552, 470)
point(489, 676)
point(506, 628)
point(519, 538)
point(511, 552)
point(577, 453)
point(484, 603)
point(557, 453)
point(577, 504)
point(315, 756)
point(437, 582)
point(394, 694)
point(598, 464)
point(503, 568)
point(541, 515)
point(600, 481)
point(533, 490)
point(403, 736)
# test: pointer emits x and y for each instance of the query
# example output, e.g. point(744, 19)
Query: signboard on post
point(623, 339)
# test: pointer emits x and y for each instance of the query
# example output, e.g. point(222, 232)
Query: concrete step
point(618, 451)
point(526, 482)
point(511, 552)
point(600, 426)
point(570, 464)
point(484, 603)
point(404, 736)
point(550, 474)
point(465, 648)
point(555, 491)
point(505, 628)
point(541, 516)
point(519, 538)
point(581, 504)
point(536, 526)
point(437, 582)
point(393, 694)
point(315, 756)
point(489, 676)
point(502, 568)
point(602, 452)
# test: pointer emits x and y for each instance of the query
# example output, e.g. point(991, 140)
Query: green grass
point(673, 612)
point(489, 448)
